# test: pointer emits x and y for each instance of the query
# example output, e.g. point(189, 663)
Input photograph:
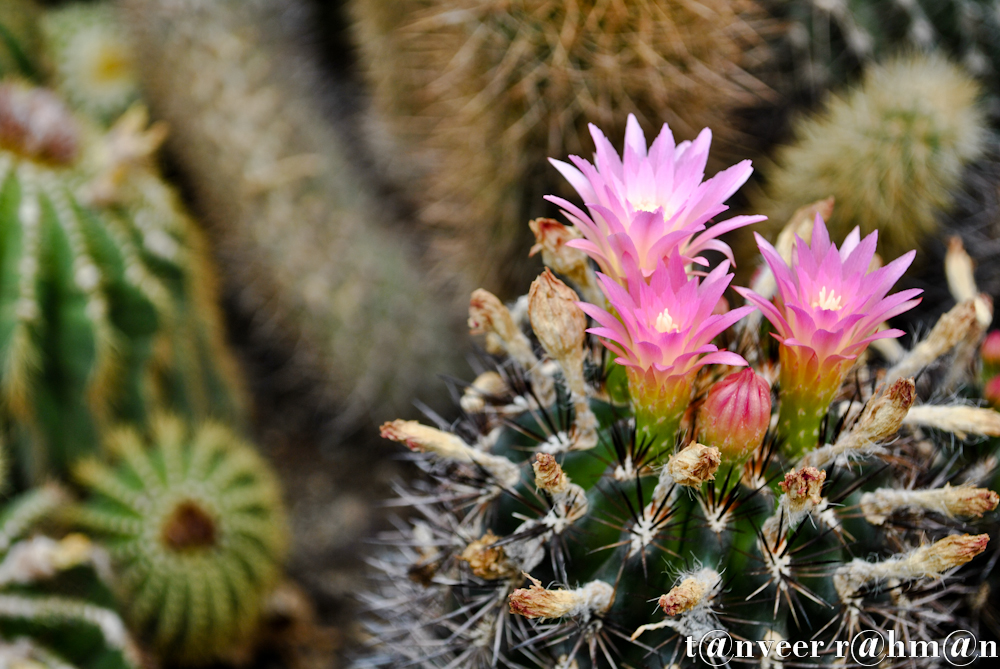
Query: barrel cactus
point(196, 530)
point(473, 95)
point(891, 151)
point(105, 292)
point(54, 608)
point(635, 495)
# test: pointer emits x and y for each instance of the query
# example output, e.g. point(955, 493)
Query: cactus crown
point(571, 494)
point(195, 525)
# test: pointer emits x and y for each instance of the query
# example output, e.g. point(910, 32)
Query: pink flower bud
point(992, 391)
point(991, 348)
point(736, 414)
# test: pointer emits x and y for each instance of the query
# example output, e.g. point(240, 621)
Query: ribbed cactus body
point(890, 151)
point(106, 308)
point(196, 530)
point(474, 95)
point(526, 547)
point(54, 609)
point(20, 41)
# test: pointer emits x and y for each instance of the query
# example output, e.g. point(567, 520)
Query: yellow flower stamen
point(664, 323)
point(828, 300)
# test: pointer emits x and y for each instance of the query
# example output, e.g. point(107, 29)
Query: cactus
point(19, 38)
point(596, 510)
point(314, 261)
point(107, 311)
point(91, 60)
point(53, 611)
point(196, 531)
point(891, 151)
point(474, 95)
point(829, 41)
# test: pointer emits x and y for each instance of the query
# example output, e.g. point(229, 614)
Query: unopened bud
point(489, 316)
point(960, 420)
point(449, 446)
point(950, 552)
point(951, 328)
point(486, 561)
point(990, 349)
point(537, 602)
point(550, 239)
point(694, 465)
point(991, 391)
point(558, 322)
point(549, 476)
point(735, 415)
point(488, 384)
point(962, 501)
point(804, 488)
point(689, 593)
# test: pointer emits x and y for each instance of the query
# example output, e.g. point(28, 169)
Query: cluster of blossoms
point(646, 228)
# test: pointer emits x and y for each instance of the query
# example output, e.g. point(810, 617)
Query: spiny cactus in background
point(474, 95)
point(829, 41)
point(313, 260)
point(91, 60)
point(890, 151)
point(105, 309)
point(196, 530)
point(19, 38)
point(579, 488)
point(51, 609)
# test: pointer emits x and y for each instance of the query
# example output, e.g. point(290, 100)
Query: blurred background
point(236, 235)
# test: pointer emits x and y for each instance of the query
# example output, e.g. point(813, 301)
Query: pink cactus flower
point(828, 309)
point(649, 203)
point(735, 416)
point(661, 332)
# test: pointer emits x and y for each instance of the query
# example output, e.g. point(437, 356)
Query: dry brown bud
point(549, 476)
point(953, 551)
point(951, 328)
point(964, 501)
point(804, 487)
point(487, 562)
point(550, 239)
point(537, 602)
point(558, 323)
point(694, 465)
point(683, 597)
point(487, 314)
point(487, 384)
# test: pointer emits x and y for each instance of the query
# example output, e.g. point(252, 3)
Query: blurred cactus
point(829, 41)
point(315, 262)
point(46, 617)
point(107, 306)
point(891, 152)
point(19, 38)
point(92, 62)
point(474, 95)
point(571, 493)
point(196, 529)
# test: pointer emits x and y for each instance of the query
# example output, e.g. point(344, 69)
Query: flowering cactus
point(576, 488)
point(829, 309)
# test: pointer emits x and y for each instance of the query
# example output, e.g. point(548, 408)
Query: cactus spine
point(196, 529)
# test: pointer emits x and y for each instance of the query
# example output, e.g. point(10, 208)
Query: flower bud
point(804, 488)
point(558, 323)
point(487, 561)
point(550, 239)
point(736, 414)
point(689, 593)
point(549, 476)
point(992, 391)
point(990, 349)
point(538, 602)
point(694, 465)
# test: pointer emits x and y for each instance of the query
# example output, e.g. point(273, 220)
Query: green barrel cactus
point(107, 306)
point(54, 607)
point(196, 530)
point(633, 494)
point(20, 39)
